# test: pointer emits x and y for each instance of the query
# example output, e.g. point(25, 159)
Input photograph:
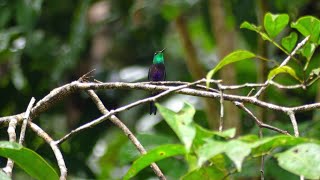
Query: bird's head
point(158, 57)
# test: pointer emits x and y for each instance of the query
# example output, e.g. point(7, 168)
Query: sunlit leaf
point(266, 145)
point(237, 151)
point(28, 160)
point(302, 160)
point(230, 58)
point(205, 173)
point(275, 23)
point(181, 122)
point(159, 153)
point(257, 29)
point(308, 26)
point(283, 69)
point(252, 27)
point(229, 133)
point(129, 152)
point(209, 150)
point(290, 41)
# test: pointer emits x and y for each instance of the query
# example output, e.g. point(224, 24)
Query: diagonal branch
point(258, 122)
point(115, 120)
point(54, 147)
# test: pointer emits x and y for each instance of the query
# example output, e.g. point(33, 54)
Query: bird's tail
point(153, 108)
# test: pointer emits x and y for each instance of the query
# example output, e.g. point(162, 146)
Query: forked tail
point(153, 108)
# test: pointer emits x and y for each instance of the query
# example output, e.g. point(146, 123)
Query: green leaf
point(205, 173)
point(252, 27)
point(28, 160)
point(129, 152)
point(302, 160)
point(229, 133)
point(275, 23)
point(237, 150)
point(283, 69)
point(209, 150)
point(230, 58)
point(307, 51)
point(257, 29)
point(314, 73)
point(154, 155)
point(266, 145)
point(308, 26)
point(181, 122)
point(290, 41)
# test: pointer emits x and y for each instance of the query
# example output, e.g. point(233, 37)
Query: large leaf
point(205, 173)
point(283, 69)
point(28, 160)
point(181, 122)
point(302, 160)
point(128, 152)
point(290, 41)
point(209, 150)
point(230, 58)
point(266, 145)
point(237, 150)
point(308, 26)
point(154, 155)
point(275, 23)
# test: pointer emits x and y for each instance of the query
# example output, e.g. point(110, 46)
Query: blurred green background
point(45, 44)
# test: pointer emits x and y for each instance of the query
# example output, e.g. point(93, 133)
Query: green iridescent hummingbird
point(157, 72)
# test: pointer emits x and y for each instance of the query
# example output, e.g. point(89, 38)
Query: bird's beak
point(163, 50)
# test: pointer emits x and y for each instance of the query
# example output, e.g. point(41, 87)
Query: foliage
point(28, 160)
point(208, 145)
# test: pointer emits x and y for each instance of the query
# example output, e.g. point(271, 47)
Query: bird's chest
point(157, 73)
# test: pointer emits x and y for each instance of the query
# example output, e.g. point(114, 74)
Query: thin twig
point(115, 120)
point(25, 120)
point(12, 138)
point(221, 110)
point(258, 122)
point(302, 43)
point(294, 123)
point(54, 147)
point(262, 157)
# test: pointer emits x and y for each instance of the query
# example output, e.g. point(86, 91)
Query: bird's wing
point(165, 74)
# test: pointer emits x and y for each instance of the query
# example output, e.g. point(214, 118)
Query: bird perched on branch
point(157, 72)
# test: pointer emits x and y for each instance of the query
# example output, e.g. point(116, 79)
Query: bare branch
point(294, 123)
point(258, 122)
point(54, 147)
point(115, 120)
point(123, 108)
point(12, 138)
point(25, 120)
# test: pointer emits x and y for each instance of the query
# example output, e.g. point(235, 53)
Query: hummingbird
point(157, 72)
